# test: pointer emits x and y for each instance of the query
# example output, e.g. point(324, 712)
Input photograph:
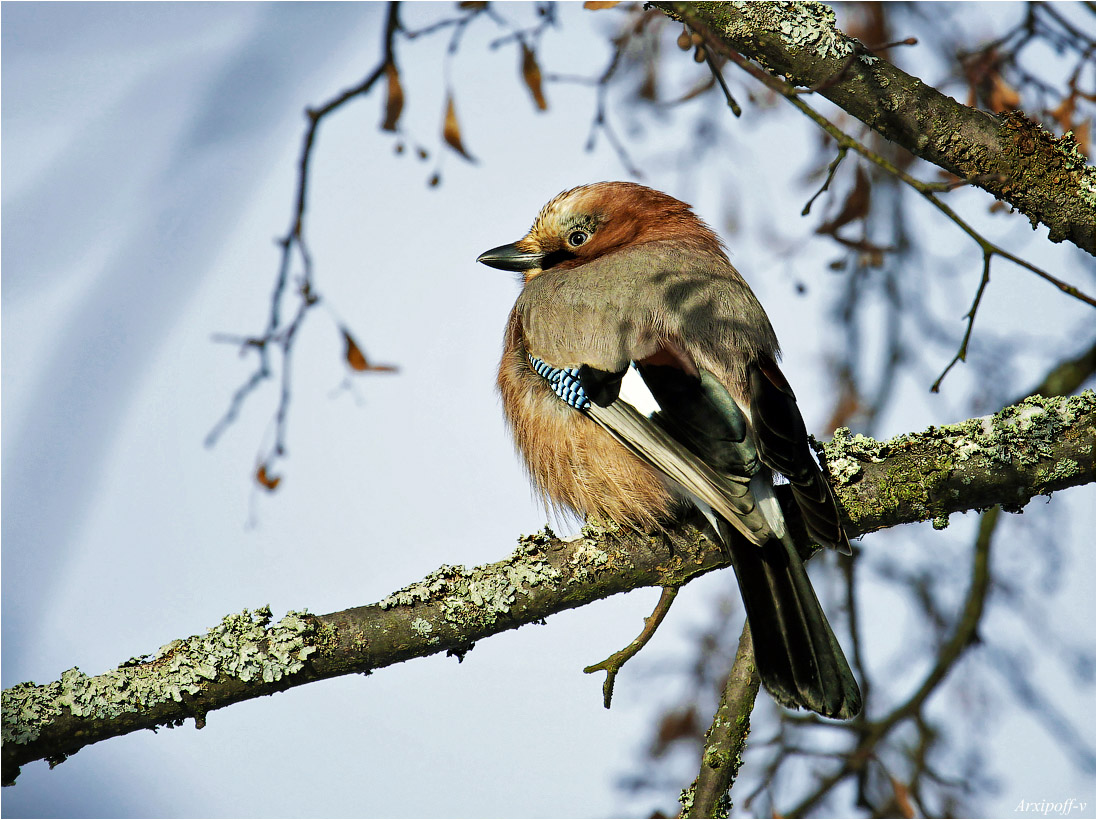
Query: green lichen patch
point(244, 646)
point(26, 708)
point(490, 592)
point(846, 452)
point(422, 627)
point(1021, 434)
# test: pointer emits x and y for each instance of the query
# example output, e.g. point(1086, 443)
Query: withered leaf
point(394, 103)
point(451, 130)
point(855, 207)
point(357, 359)
point(675, 725)
point(595, 5)
point(1063, 113)
point(1003, 96)
point(849, 404)
point(265, 480)
point(531, 73)
point(902, 798)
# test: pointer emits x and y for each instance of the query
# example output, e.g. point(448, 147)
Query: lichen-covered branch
point(1032, 448)
point(1029, 449)
point(726, 738)
point(1015, 159)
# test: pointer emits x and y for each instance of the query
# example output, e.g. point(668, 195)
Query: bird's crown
point(589, 221)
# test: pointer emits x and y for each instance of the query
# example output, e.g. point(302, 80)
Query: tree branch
point(1008, 155)
point(1032, 448)
point(726, 738)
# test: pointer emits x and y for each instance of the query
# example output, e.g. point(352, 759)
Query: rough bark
point(1033, 448)
point(1008, 155)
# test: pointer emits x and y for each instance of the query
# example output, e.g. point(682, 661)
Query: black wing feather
point(783, 445)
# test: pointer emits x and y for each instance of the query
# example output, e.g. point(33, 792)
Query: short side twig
point(614, 662)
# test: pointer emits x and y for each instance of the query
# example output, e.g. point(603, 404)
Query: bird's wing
point(681, 420)
point(783, 446)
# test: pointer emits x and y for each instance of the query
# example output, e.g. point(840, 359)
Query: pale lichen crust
point(481, 595)
point(803, 25)
point(243, 646)
point(1019, 436)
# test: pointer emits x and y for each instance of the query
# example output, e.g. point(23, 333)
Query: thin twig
point(988, 248)
point(715, 69)
point(842, 151)
point(961, 354)
point(787, 91)
point(293, 245)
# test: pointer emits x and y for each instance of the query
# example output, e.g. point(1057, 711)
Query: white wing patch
point(762, 487)
point(634, 391)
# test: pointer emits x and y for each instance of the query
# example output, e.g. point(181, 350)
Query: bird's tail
point(798, 657)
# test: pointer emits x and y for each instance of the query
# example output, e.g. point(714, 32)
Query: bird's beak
point(511, 257)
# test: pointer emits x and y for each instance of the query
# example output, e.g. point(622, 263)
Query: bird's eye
point(577, 238)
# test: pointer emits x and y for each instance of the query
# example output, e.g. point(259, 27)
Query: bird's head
point(591, 221)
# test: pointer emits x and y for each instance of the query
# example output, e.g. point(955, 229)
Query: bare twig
point(715, 69)
point(612, 665)
point(293, 245)
point(988, 248)
point(843, 139)
point(842, 151)
point(961, 354)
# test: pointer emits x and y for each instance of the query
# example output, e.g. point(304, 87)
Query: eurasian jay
point(639, 375)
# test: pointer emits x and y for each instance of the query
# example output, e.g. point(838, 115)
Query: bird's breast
point(575, 463)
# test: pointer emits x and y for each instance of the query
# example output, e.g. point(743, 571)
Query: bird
point(639, 379)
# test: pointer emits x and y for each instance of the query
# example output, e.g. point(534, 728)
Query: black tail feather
point(798, 657)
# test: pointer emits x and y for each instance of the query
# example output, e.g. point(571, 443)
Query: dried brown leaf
point(451, 130)
point(902, 798)
point(531, 74)
point(357, 359)
point(1063, 113)
point(678, 724)
point(855, 207)
point(847, 406)
point(394, 103)
point(596, 5)
point(354, 355)
point(269, 482)
point(1002, 96)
